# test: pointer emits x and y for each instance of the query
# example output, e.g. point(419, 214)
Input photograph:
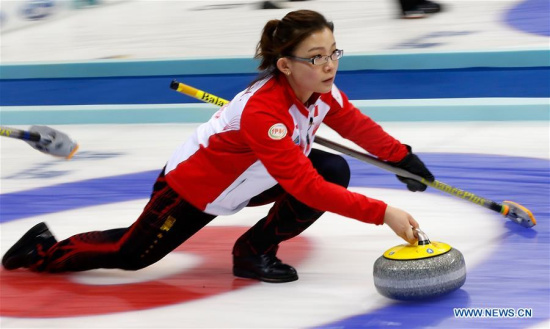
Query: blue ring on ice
point(531, 16)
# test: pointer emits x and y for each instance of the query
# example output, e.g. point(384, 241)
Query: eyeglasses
point(319, 59)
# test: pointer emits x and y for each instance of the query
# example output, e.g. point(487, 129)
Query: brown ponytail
point(266, 48)
point(280, 38)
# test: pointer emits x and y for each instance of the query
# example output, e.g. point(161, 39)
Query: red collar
point(291, 96)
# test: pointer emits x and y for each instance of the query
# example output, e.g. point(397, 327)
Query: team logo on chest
point(277, 131)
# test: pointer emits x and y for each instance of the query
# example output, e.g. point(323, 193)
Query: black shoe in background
point(429, 7)
point(419, 9)
point(265, 267)
point(24, 252)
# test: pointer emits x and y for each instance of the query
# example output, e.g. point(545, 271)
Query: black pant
point(168, 220)
point(407, 5)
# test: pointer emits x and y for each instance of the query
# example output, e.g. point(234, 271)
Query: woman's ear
point(283, 65)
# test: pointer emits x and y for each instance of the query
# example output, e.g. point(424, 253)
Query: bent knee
point(335, 169)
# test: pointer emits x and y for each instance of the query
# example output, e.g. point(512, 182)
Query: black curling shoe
point(429, 7)
point(25, 251)
point(266, 267)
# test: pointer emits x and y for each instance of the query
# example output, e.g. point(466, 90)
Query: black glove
point(412, 163)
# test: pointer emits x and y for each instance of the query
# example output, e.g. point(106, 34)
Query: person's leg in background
point(418, 8)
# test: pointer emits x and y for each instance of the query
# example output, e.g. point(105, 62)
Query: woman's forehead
point(318, 40)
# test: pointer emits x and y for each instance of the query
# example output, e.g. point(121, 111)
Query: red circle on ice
point(34, 295)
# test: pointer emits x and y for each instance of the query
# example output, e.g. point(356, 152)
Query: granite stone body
point(420, 278)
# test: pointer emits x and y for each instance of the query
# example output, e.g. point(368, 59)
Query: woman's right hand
point(402, 223)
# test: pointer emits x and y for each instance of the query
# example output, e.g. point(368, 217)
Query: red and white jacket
point(261, 138)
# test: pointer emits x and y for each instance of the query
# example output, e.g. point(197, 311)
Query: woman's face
point(306, 78)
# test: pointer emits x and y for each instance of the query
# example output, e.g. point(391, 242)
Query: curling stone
point(423, 270)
